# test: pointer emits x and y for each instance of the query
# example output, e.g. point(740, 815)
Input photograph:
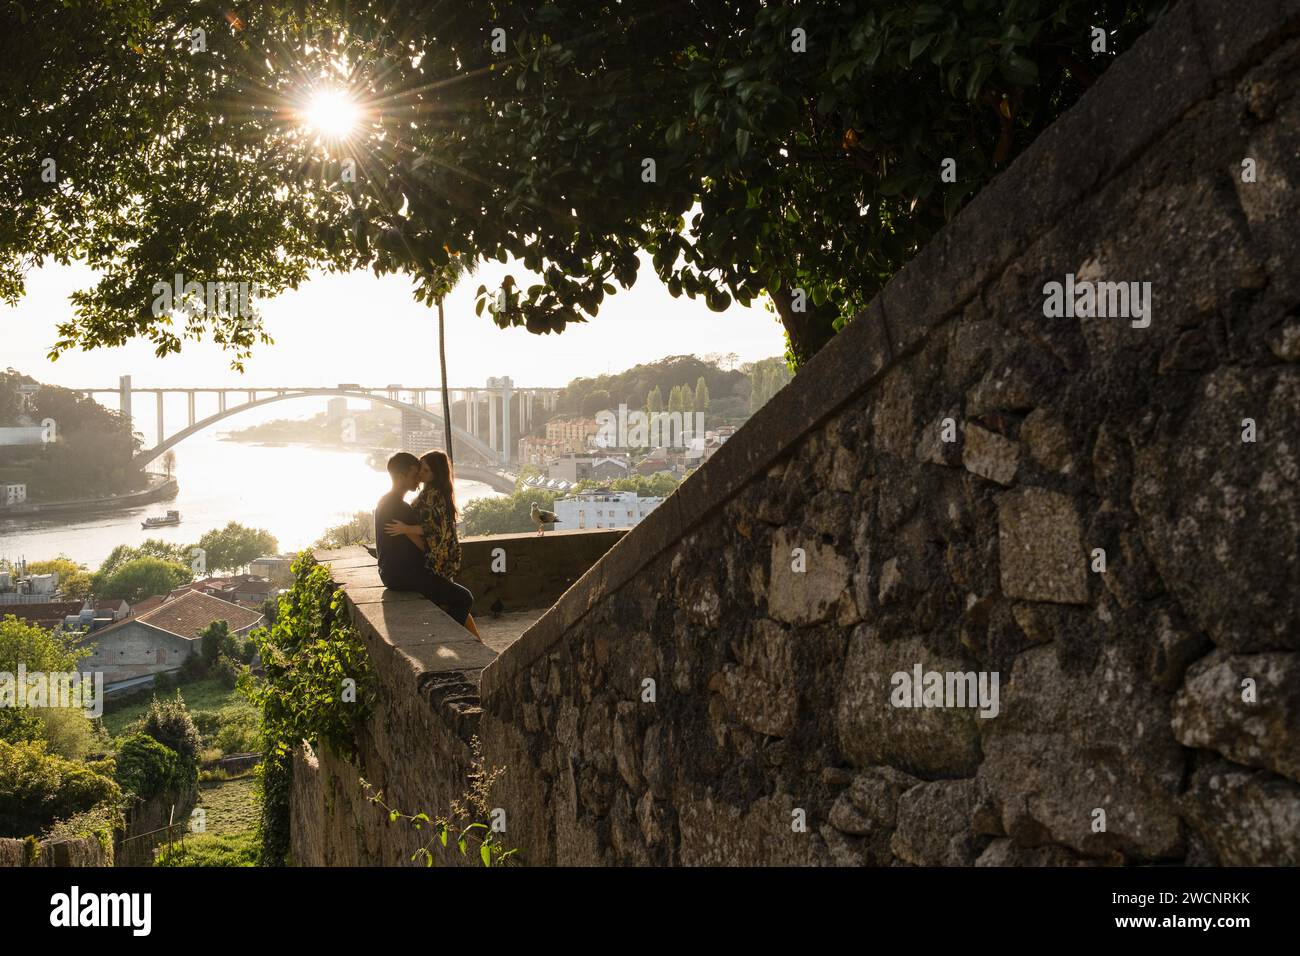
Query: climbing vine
point(318, 686)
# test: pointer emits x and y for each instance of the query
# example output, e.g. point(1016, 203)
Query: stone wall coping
point(415, 647)
point(1192, 50)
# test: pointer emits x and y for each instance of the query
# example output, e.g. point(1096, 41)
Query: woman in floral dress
point(436, 507)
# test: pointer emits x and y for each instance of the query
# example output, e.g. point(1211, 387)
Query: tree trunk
point(807, 331)
point(446, 396)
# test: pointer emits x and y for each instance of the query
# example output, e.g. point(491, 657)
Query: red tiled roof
point(44, 615)
point(190, 613)
point(147, 605)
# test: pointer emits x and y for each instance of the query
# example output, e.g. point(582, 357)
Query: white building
point(601, 508)
point(15, 494)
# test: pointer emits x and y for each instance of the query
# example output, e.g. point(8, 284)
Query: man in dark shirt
point(401, 560)
point(398, 552)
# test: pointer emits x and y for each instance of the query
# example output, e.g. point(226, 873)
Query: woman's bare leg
point(469, 626)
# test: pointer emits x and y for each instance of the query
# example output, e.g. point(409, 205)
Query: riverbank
point(160, 489)
point(296, 493)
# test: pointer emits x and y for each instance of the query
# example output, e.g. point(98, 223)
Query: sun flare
point(331, 112)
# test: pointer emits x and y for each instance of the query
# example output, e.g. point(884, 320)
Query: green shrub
point(215, 640)
point(37, 788)
point(19, 725)
point(37, 649)
point(164, 683)
point(192, 668)
point(208, 723)
point(67, 732)
point(168, 721)
point(146, 767)
point(99, 822)
point(226, 671)
point(238, 735)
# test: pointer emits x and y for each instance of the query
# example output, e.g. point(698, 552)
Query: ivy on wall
point(318, 687)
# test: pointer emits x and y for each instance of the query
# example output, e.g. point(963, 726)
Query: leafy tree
point(508, 514)
point(797, 148)
point(597, 401)
point(216, 641)
point(235, 546)
point(67, 732)
point(659, 485)
point(766, 378)
point(143, 577)
point(211, 641)
point(701, 403)
point(226, 671)
point(654, 401)
point(74, 579)
point(124, 553)
point(38, 649)
point(359, 529)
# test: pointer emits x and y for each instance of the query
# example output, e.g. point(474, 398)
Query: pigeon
point(497, 607)
point(542, 518)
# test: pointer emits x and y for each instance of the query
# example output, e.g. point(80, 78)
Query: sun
point(332, 113)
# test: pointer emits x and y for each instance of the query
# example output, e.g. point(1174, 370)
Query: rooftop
point(189, 613)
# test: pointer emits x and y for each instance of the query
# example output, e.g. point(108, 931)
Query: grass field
point(230, 805)
point(207, 695)
point(212, 849)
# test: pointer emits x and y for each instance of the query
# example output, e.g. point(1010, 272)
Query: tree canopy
point(793, 150)
point(235, 546)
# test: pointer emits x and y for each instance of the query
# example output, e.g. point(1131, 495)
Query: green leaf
point(485, 855)
point(845, 69)
point(742, 141)
point(1019, 70)
point(918, 46)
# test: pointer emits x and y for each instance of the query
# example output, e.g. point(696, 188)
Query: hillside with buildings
point(56, 444)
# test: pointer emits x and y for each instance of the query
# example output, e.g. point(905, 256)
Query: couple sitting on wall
point(416, 545)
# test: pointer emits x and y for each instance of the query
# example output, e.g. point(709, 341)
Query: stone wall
point(134, 649)
point(537, 569)
point(934, 495)
point(415, 749)
point(80, 851)
point(1145, 713)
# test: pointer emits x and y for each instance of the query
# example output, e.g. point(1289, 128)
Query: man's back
point(395, 552)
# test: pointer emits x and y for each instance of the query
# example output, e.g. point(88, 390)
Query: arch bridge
point(487, 432)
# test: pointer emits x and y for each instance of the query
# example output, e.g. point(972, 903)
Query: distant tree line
point(715, 384)
point(133, 573)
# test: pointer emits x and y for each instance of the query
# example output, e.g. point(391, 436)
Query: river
point(293, 491)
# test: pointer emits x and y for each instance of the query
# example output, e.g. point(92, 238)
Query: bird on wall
point(542, 518)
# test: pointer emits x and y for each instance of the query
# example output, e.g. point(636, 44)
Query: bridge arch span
point(428, 414)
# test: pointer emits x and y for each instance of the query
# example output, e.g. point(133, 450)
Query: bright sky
point(360, 328)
